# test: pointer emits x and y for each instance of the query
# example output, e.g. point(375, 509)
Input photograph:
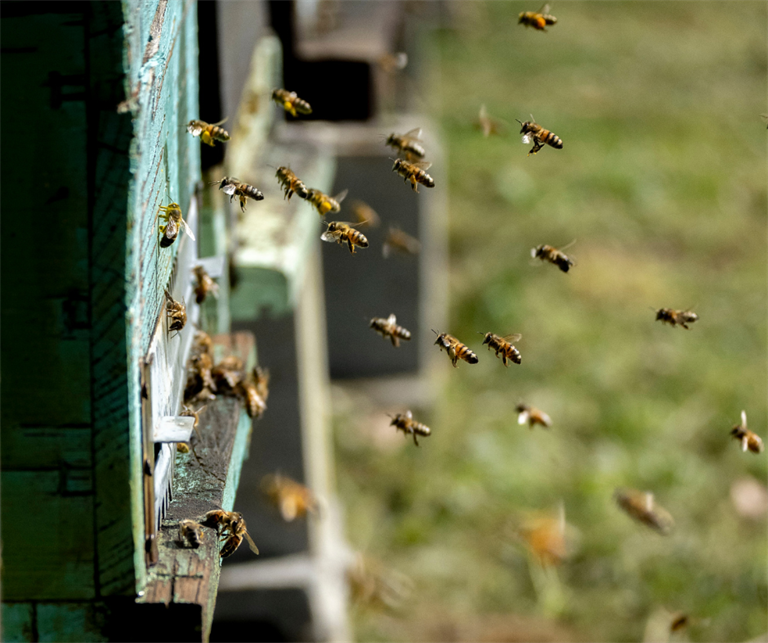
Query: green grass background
point(662, 182)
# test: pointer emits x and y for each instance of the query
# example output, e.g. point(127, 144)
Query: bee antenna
point(434, 331)
point(519, 121)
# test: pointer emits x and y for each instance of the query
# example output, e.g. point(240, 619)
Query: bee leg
point(351, 246)
point(206, 138)
point(242, 203)
point(395, 342)
point(415, 441)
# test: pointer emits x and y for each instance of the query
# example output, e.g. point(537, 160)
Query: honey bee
point(504, 347)
point(415, 173)
point(534, 133)
point(404, 422)
point(489, 125)
point(254, 390)
point(391, 63)
point(455, 349)
point(546, 537)
point(236, 188)
point(641, 506)
point(408, 144)
point(292, 498)
point(400, 241)
point(374, 585)
point(554, 255)
point(679, 621)
point(676, 317)
point(172, 214)
point(537, 19)
point(290, 183)
point(365, 214)
point(325, 203)
point(388, 328)
point(532, 416)
point(340, 232)
point(199, 377)
point(190, 533)
point(204, 285)
point(182, 447)
point(230, 525)
point(228, 373)
point(749, 439)
point(208, 133)
point(176, 312)
point(191, 413)
point(290, 102)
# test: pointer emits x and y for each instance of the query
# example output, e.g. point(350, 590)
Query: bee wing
point(744, 419)
point(522, 417)
point(391, 319)
point(221, 122)
point(386, 249)
point(341, 196)
point(229, 189)
point(331, 236)
point(565, 247)
point(409, 415)
point(187, 230)
point(195, 129)
point(544, 9)
point(423, 165)
point(514, 337)
point(289, 508)
point(414, 134)
point(251, 544)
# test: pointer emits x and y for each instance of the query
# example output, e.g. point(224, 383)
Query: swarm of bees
point(389, 328)
point(293, 499)
point(404, 422)
point(231, 529)
point(676, 317)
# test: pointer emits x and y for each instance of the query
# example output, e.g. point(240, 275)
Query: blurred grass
point(662, 182)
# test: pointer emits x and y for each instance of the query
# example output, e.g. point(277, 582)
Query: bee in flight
point(230, 525)
point(749, 439)
point(324, 203)
point(408, 144)
point(504, 346)
point(455, 349)
point(388, 328)
point(547, 536)
point(415, 173)
point(290, 102)
point(676, 317)
point(190, 533)
point(400, 241)
point(391, 63)
point(341, 232)
point(641, 506)
point(291, 184)
point(293, 499)
point(236, 188)
point(553, 255)
point(174, 222)
point(365, 214)
point(537, 19)
point(404, 422)
point(208, 133)
point(204, 285)
point(176, 312)
point(534, 133)
point(532, 416)
point(488, 124)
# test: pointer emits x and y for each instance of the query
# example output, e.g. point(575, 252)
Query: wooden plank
point(70, 622)
point(18, 622)
point(33, 447)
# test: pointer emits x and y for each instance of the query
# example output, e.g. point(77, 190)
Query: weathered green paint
point(65, 622)
point(18, 622)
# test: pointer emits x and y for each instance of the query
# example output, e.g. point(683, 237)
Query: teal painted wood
point(18, 622)
point(70, 622)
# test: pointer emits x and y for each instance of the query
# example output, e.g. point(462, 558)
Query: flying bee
point(340, 232)
point(532, 416)
point(364, 214)
point(204, 285)
point(547, 536)
point(749, 439)
point(504, 346)
point(172, 214)
point(455, 349)
point(293, 499)
point(534, 133)
point(190, 533)
point(489, 125)
point(290, 102)
point(553, 255)
point(374, 585)
point(291, 183)
point(404, 422)
point(236, 188)
point(415, 173)
point(208, 133)
point(537, 19)
point(641, 506)
point(230, 525)
point(325, 203)
point(408, 144)
point(400, 241)
point(176, 312)
point(391, 63)
point(388, 328)
point(676, 317)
